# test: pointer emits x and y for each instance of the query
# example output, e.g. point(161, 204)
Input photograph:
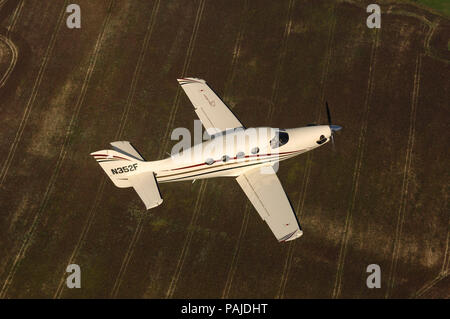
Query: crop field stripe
point(234, 260)
point(286, 271)
point(19, 133)
point(275, 86)
point(126, 260)
point(445, 264)
point(81, 239)
point(443, 274)
point(229, 82)
point(236, 52)
point(119, 133)
point(429, 285)
point(137, 233)
point(139, 227)
point(356, 172)
point(309, 158)
point(187, 241)
point(29, 105)
point(62, 154)
point(11, 66)
point(280, 64)
point(406, 174)
point(274, 96)
point(187, 62)
point(444, 269)
point(446, 258)
point(138, 68)
point(11, 45)
point(429, 52)
point(299, 209)
point(15, 18)
point(245, 221)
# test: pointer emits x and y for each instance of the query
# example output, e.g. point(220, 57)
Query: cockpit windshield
point(280, 139)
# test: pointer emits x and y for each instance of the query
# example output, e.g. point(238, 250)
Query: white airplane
point(250, 161)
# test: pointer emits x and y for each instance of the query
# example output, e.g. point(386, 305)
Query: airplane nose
point(335, 128)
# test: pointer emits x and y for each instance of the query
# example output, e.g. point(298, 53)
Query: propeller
point(334, 128)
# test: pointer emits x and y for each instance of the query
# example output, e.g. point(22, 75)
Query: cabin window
point(225, 158)
point(280, 139)
point(209, 161)
point(255, 150)
point(240, 155)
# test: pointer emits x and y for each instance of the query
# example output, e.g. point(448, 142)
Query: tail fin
point(117, 166)
point(125, 167)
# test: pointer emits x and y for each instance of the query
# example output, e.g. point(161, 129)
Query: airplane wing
point(216, 117)
point(263, 188)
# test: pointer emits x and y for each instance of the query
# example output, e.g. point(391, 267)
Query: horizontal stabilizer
point(126, 148)
point(147, 188)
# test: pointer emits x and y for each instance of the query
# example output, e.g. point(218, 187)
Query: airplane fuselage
point(236, 152)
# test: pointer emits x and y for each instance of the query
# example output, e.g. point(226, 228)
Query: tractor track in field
point(122, 123)
point(236, 53)
point(140, 225)
point(309, 159)
point(444, 272)
point(234, 260)
point(227, 92)
point(406, 175)
point(187, 241)
point(427, 287)
point(18, 136)
point(29, 106)
point(187, 62)
point(6, 38)
point(446, 258)
point(356, 173)
point(62, 154)
point(13, 63)
point(280, 63)
point(15, 18)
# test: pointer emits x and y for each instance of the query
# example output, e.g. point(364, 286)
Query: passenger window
point(209, 161)
point(240, 155)
point(255, 150)
point(225, 158)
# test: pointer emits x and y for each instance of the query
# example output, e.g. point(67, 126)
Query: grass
point(442, 6)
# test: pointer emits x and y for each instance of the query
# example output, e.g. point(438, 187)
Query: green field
point(442, 6)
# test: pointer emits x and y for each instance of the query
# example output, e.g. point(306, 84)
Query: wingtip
point(190, 80)
point(102, 152)
point(296, 235)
